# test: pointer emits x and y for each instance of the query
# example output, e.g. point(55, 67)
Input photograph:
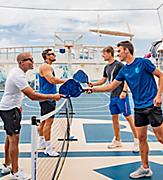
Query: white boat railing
point(92, 53)
point(87, 58)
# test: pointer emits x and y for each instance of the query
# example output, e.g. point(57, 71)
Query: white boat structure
point(90, 111)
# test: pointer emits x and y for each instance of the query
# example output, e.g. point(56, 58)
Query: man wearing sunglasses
point(16, 87)
point(47, 84)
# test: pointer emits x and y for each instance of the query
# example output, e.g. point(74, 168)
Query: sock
point(145, 168)
point(48, 145)
point(41, 140)
point(136, 140)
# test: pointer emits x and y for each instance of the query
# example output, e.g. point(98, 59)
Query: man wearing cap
point(10, 111)
point(47, 85)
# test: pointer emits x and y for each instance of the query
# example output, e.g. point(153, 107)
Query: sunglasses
point(28, 59)
point(51, 54)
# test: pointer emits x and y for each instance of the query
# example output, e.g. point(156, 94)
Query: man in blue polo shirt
point(139, 74)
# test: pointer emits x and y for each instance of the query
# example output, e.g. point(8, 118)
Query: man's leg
point(16, 173)
point(159, 133)
point(47, 129)
point(156, 121)
point(116, 140)
point(13, 151)
point(143, 144)
point(5, 169)
point(124, 106)
point(7, 154)
point(144, 170)
point(115, 117)
point(132, 125)
point(41, 140)
point(116, 128)
point(40, 128)
point(44, 129)
point(47, 134)
point(130, 120)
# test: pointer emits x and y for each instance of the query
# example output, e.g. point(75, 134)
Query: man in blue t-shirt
point(139, 74)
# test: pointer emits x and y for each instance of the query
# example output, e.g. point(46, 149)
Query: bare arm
point(99, 82)
point(124, 91)
point(29, 92)
point(107, 88)
point(158, 98)
point(125, 87)
point(46, 71)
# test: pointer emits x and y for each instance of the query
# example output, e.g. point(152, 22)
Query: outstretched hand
point(57, 97)
point(90, 84)
point(88, 90)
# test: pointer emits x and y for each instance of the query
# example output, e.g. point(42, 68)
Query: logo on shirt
point(137, 70)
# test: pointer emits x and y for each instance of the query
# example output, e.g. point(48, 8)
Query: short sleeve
point(118, 67)
point(21, 82)
point(149, 66)
point(104, 72)
point(120, 76)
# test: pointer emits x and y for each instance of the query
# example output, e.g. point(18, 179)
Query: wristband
point(124, 91)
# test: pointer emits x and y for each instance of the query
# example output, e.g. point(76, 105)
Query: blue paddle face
point(81, 76)
point(71, 88)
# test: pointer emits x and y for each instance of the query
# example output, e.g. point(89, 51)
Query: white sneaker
point(136, 145)
point(141, 172)
point(20, 175)
point(5, 169)
point(115, 144)
point(51, 152)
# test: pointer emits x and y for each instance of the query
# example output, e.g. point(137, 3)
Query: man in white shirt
point(16, 87)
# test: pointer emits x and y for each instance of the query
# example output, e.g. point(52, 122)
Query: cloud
point(19, 26)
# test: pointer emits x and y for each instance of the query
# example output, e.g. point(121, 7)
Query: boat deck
point(88, 157)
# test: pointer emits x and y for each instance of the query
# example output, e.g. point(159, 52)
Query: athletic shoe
point(141, 172)
point(51, 152)
point(5, 169)
point(20, 175)
point(136, 146)
point(115, 144)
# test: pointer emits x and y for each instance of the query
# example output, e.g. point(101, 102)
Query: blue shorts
point(118, 106)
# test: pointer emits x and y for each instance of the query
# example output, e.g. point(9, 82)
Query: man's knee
point(142, 138)
point(159, 132)
point(159, 135)
point(129, 118)
point(14, 139)
point(48, 123)
point(160, 139)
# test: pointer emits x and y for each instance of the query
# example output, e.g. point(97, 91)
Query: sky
point(27, 27)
